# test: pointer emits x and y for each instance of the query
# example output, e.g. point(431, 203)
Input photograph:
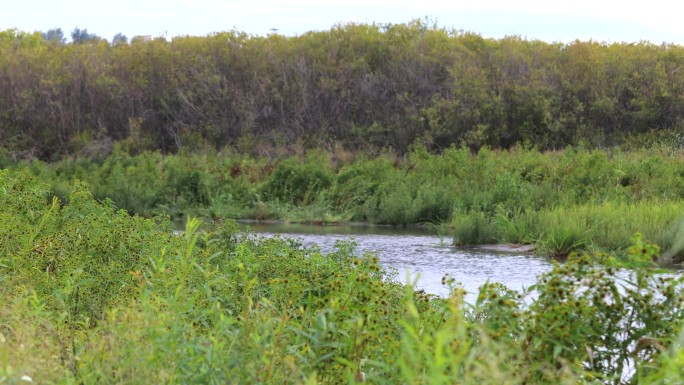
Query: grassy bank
point(93, 295)
point(574, 199)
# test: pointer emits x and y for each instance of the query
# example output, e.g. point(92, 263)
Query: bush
point(298, 182)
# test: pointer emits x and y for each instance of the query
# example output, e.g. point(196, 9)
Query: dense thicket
point(359, 86)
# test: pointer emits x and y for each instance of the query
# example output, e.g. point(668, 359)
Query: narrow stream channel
point(418, 253)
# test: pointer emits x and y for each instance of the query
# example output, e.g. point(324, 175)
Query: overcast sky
point(656, 21)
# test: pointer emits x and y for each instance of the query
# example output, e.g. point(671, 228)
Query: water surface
point(420, 254)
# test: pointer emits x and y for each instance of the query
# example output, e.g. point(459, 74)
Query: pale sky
point(656, 21)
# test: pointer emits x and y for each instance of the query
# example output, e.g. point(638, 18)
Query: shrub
point(298, 183)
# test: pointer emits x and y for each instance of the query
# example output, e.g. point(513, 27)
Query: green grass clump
point(559, 231)
point(473, 228)
point(608, 226)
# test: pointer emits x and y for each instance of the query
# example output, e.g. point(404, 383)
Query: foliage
point(79, 36)
point(54, 35)
point(93, 295)
point(613, 322)
point(77, 256)
point(359, 86)
point(298, 182)
point(119, 38)
point(562, 201)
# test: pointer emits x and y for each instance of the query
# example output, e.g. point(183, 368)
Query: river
point(420, 254)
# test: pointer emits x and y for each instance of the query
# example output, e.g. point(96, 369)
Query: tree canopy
point(356, 85)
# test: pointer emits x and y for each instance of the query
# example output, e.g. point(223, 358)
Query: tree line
point(359, 86)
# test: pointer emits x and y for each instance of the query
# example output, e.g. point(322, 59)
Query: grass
point(604, 226)
point(563, 201)
point(94, 295)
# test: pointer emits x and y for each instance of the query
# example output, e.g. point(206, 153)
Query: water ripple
point(424, 256)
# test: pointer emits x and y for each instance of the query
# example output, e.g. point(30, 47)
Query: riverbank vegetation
point(562, 201)
point(361, 87)
point(568, 146)
point(575, 148)
point(94, 295)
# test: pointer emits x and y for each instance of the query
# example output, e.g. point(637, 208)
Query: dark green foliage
point(364, 87)
point(119, 38)
point(473, 228)
point(357, 184)
point(77, 256)
point(80, 36)
point(298, 181)
point(54, 35)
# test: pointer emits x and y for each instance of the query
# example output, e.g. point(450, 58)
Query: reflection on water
point(419, 252)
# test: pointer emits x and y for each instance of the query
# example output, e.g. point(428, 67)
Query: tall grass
point(92, 295)
point(559, 231)
point(562, 201)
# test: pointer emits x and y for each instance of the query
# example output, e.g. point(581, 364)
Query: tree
point(119, 38)
point(54, 35)
point(79, 36)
